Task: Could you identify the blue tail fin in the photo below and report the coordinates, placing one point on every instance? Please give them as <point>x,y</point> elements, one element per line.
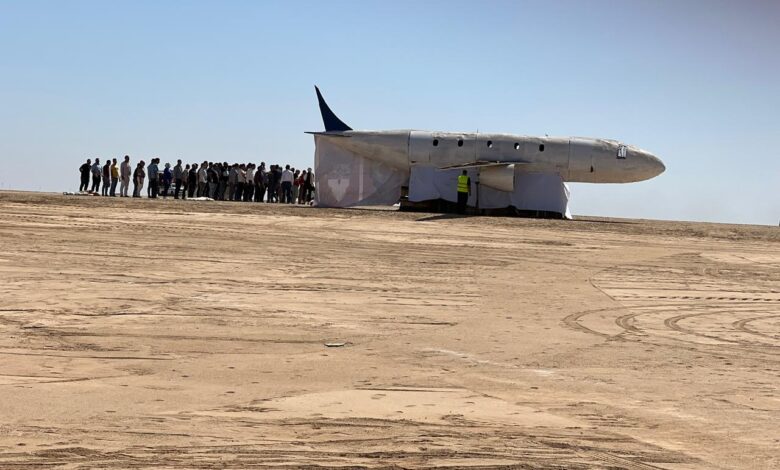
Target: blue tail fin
<point>331,121</point>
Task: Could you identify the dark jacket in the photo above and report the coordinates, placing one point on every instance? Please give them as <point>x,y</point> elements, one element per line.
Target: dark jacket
<point>213,175</point>
<point>167,176</point>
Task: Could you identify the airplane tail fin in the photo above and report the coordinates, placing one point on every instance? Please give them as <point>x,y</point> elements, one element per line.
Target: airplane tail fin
<point>329,118</point>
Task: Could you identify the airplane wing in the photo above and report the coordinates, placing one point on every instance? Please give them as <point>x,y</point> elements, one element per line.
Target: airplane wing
<point>328,133</point>
<point>480,164</point>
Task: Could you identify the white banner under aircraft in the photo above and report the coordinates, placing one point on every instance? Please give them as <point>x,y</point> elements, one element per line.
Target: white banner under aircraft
<point>533,191</point>
<point>344,179</point>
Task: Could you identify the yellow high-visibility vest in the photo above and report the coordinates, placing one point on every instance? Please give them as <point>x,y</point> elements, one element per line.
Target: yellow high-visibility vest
<point>463,183</point>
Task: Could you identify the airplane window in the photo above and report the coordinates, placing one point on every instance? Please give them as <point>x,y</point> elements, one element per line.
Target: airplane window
<point>460,142</point>
<point>490,144</point>
<point>541,147</point>
<point>517,146</point>
<point>435,142</point>
<point>621,151</point>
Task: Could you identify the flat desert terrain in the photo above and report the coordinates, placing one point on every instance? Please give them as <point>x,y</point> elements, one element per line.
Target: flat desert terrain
<point>172,334</point>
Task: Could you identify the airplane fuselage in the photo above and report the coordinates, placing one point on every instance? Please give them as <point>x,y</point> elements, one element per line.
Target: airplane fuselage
<point>575,159</point>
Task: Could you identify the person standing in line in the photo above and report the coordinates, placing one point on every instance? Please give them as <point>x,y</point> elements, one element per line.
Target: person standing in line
<point>302,194</point>
<point>218,191</point>
<point>270,182</point>
<point>259,183</point>
<point>232,182</point>
<point>278,184</point>
<point>203,179</point>
<point>267,183</point>
<point>154,179</point>
<point>213,174</point>
<point>240,182</point>
<point>464,191</point>
<point>273,181</point>
<point>96,176</point>
<point>309,185</point>
<point>105,173</point>
<point>214,180</point>
<point>184,182</point>
<point>280,196</point>
<point>167,180</point>
<point>224,176</point>
<point>249,186</point>
<point>148,178</point>
<point>138,179</point>
<point>192,180</point>
<point>277,187</point>
<point>158,178</point>
<point>287,181</point>
<point>149,182</point>
<point>295,185</point>
<point>177,179</point>
<point>302,186</point>
<point>124,175</point>
<point>114,177</point>
<point>242,172</point>
<point>85,169</point>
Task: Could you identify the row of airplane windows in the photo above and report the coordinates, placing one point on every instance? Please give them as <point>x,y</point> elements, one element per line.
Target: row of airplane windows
<point>489,144</point>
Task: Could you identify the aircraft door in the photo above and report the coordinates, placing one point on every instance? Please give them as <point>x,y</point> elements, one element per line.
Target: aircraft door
<point>421,144</point>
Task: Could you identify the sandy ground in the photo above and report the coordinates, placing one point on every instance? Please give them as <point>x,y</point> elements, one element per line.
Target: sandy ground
<point>170,334</point>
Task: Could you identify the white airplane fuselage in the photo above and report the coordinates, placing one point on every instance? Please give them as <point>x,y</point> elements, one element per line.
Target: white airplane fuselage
<point>575,159</point>
<point>498,160</point>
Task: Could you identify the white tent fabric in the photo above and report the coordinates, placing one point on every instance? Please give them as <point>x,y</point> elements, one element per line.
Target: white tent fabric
<point>344,179</point>
<point>533,191</point>
<point>428,183</point>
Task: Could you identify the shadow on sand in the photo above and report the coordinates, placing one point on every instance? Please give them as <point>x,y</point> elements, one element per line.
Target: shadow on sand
<point>435,217</point>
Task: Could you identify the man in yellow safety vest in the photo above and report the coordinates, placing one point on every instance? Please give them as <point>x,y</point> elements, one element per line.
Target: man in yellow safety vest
<point>464,191</point>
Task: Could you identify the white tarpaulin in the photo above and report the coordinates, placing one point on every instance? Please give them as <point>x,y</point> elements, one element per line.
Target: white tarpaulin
<point>533,191</point>
<point>344,179</point>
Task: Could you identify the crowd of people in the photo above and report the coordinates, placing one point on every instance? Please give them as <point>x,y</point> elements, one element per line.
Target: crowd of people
<point>219,181</point>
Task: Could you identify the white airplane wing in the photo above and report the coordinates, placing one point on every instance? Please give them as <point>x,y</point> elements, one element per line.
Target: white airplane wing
<point>480,164</point>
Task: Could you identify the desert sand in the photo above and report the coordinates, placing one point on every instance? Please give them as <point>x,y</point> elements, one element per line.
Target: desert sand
<point>173,334</point>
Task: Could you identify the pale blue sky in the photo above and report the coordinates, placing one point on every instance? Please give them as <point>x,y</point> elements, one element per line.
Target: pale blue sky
<point>696,83</point>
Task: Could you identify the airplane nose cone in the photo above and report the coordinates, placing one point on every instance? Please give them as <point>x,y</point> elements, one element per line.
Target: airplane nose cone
<point>653,166</point>
<point>657,165</point>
